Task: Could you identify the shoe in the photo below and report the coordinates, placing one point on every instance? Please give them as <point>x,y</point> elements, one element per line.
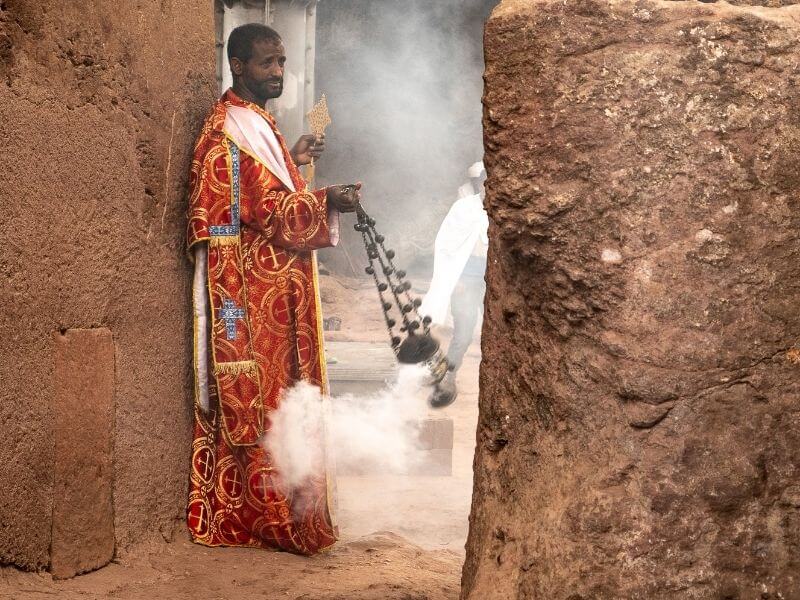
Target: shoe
<point>445,392</point>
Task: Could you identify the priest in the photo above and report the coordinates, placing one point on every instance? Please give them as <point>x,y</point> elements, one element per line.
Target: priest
<point>253,226</point>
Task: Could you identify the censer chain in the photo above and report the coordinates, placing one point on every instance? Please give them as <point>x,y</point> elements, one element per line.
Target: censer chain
<point>376,250</point>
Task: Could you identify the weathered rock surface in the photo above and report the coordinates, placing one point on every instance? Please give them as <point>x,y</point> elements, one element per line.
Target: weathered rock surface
<point>83,431</point>
<point>99,105</point>
<point>640,389</point>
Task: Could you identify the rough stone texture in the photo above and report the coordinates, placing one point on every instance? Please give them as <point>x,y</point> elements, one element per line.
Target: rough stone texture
<point>639,433</point>
<point>99,105</point>
<point>83,429</point>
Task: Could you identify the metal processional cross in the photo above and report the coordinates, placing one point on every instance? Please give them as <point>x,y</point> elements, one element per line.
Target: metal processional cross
<point>318,119</point>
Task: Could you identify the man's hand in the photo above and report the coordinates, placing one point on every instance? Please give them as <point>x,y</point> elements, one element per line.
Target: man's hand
<point>309,147</point>
<point>344,198</point>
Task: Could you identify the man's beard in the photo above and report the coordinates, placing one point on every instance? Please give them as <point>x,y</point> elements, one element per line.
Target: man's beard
<point>272,91</point>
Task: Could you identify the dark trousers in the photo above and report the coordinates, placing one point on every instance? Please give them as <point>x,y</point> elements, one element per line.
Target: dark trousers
<point>466,304</point>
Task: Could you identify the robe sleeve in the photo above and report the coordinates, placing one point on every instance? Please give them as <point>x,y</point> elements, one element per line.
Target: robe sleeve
<point>294,220</point>
<point>209,196</point>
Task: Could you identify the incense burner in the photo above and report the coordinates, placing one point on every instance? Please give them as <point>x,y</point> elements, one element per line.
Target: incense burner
<point>394,291</point>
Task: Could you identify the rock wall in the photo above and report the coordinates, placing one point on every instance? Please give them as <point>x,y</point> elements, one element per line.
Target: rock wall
<point>99,105</point>
<point>640,405</point>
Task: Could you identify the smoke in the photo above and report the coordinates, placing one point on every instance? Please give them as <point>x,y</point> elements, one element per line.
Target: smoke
<point>362,434</point>
<point>404,85</point>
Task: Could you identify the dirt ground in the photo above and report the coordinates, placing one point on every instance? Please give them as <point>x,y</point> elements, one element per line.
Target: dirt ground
<point>402,538</point>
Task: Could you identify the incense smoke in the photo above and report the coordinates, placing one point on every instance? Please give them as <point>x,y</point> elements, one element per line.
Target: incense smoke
<point>404,84</point>
<point>362,433</point>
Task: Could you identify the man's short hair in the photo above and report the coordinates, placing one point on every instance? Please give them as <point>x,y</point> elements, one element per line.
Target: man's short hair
<point>241,39</point>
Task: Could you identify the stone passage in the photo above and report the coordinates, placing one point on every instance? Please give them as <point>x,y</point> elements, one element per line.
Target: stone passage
<point>639,433</point>
<point>359,367</point>
<point>83,415</point>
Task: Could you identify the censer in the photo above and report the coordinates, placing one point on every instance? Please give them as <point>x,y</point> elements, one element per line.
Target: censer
<point>419,346</point>
<point>394,292</point>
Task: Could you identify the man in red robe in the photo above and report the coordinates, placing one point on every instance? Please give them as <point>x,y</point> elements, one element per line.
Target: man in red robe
<point>253,228</point>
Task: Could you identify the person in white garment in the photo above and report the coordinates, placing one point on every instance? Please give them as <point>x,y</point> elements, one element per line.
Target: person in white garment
<point>459,266</point>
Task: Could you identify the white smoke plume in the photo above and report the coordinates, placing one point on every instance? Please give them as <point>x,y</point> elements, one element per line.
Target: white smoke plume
<point>362,433</point>
<point>404,84</point>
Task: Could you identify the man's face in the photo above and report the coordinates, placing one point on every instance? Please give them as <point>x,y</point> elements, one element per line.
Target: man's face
<point>263,73</point>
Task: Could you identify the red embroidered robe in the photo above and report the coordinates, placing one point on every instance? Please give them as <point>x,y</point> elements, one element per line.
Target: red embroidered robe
<point>265,335</point>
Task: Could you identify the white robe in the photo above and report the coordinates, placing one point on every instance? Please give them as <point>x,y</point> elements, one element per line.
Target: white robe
<point>464,226</point>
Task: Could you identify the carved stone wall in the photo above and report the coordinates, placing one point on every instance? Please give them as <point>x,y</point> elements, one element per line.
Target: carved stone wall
<point>100,102</point>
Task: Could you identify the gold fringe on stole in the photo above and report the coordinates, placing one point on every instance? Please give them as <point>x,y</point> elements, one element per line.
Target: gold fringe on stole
<point>223,240</point>
<point>247,367</point>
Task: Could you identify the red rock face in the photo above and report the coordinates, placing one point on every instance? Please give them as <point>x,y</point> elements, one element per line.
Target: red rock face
<point>640,407</point>
<point>99,106</point>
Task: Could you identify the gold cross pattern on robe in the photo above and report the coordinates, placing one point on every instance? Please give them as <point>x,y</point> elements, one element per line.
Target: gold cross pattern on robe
<point>318,118</point>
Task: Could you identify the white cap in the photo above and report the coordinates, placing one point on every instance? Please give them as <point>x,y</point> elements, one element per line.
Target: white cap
<point>476,170</point>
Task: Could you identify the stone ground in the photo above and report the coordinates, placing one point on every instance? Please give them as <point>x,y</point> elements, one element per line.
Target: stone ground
<point>402,537</point>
